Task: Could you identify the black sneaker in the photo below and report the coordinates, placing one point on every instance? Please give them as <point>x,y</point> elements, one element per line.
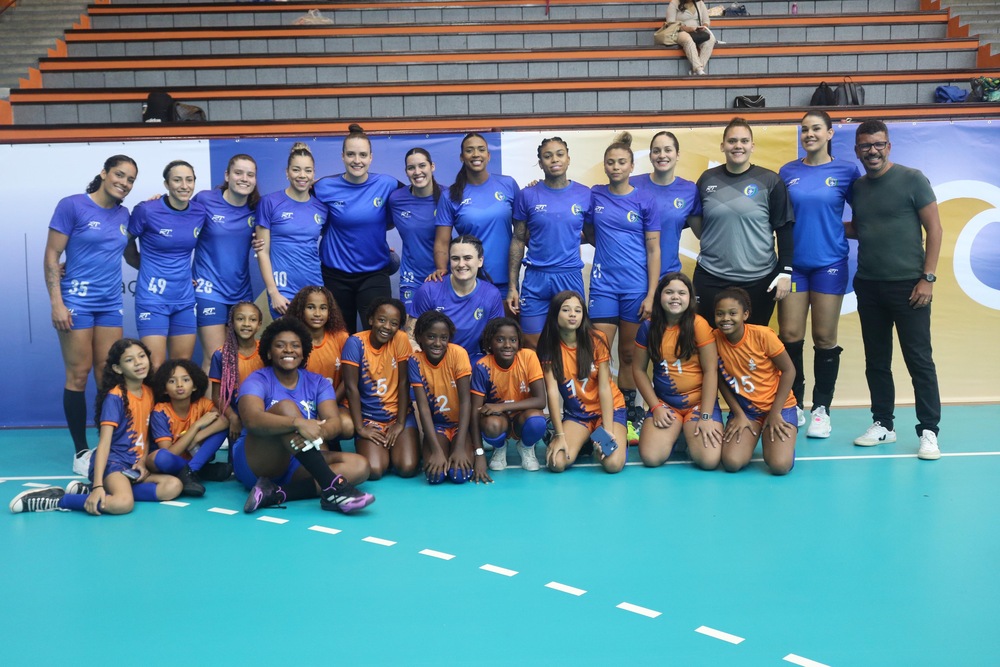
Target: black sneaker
<point>192,485</point>
<point>343,497</point>
<point>216,472</point>
<point>38,500</point>
<point>264,493</point>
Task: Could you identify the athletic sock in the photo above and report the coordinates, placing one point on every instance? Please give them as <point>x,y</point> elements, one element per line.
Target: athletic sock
<point>299,489</point>
<point>316,465</point>
<point>206,452</point>
<point>826,367</point>
<point>533,430</point>
<point>145,492</point>
<point>75,407</point>
<point>73,502</point>
<point>167,462</point>
<point>799,386</point>
<point>497,441</point>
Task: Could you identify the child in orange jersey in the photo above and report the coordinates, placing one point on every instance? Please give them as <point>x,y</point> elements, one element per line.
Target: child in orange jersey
<point>234,362</point>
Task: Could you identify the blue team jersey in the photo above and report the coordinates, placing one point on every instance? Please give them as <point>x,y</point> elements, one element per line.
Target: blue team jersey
<point>222,256</point>
<point>308,393</point>
<point>675,202</point>
<point>415,218</point>
<point>166,240</point>
<point>555,220</point>
<point>354,238</point>
<point>470,313</point>
<point>818,195</point>
<point>97,238</point>
<point>620,224</point>
<point>295,230</point>
<point>486,212</point>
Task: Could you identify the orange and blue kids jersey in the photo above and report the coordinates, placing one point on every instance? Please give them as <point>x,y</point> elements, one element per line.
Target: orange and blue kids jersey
<point>244,367</point>
<point>748,369</point>
<point>581,398</point>
<point>165,425</point>
<point>128,440</point>
<point>439,382</point>
<point>506,385</point>
<point>325,358</point>
<point>677,382</point>
<point>378,373</point>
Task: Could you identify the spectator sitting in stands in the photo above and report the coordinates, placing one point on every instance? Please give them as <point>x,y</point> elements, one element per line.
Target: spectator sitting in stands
<point>695,37</point>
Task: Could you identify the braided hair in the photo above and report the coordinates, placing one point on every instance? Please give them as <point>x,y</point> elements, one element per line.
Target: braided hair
<point>230,374</point>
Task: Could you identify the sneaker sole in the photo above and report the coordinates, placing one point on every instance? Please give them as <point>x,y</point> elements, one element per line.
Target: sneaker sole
<point>929,456</point>
<point>253,501</point>
<point>874,444</point>
<point>355,504</point>
<point>810,434</point>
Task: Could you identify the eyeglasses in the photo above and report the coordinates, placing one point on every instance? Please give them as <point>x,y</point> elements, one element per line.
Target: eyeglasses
<point>878,145</point>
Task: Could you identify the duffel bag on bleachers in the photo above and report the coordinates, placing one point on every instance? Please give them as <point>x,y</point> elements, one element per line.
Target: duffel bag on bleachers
<point>985,89</point>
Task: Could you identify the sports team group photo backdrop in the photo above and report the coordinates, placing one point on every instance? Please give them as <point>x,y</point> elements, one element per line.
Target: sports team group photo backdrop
<point>955,156</point>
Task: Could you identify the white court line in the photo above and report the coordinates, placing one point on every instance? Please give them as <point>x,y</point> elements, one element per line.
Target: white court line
<point>437,554</point>
<point>556,586</point>
<point>174,503</point>
<point>378,540</point>
<point>36,485</point>
<point>496,569</point>
<point>17,479</point>
<point>272,519</point>
<point>636,609</point>
<point>802,662</point>
<point>222,510</point>
<point>719,634</point>
<point>324,529</point>
<point>854,457</point>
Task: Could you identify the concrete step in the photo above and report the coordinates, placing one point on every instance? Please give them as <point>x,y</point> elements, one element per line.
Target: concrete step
<point>608,96</point>
<point>84,44</point>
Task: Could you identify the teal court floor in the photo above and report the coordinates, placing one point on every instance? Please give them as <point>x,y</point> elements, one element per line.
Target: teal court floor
<point>858,557</point>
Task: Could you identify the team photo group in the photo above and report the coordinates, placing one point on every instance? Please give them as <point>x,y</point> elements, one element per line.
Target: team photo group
<point>496,339</point>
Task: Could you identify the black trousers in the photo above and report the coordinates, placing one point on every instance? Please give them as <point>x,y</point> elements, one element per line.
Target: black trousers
<point>355,292</point>
<point>707,285</point>
<point>883,305</point>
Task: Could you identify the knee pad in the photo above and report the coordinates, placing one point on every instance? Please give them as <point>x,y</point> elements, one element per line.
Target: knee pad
<point>533,430</point>
<point>497,441</point>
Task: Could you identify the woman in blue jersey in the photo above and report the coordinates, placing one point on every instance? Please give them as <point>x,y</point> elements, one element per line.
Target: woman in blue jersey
<point>413,212</point>
<point>480,204</point>
<point>676,197</point>
<point>548,219</point>
<point>354,250</point>
<point>87,301</point>
<point>624,226</point>
<point>289,224</point>
<point>819,186</point>
<point>222,256</point>
<point>166,231</point>
<point>464,296</point>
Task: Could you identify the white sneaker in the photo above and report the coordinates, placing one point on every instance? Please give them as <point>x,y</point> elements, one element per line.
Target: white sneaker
<point>499,459</point>
<point>77,488</point>
<point>875,435</point>
<point>81,462</point>
<point>928,447</point>
<point>819,424</point>
<point>528,459</point>
<point>800,416</point>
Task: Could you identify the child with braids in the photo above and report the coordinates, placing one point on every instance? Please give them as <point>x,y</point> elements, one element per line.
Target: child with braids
<point>118,472</point>
<point>185,428</point>
<point>236,360</point>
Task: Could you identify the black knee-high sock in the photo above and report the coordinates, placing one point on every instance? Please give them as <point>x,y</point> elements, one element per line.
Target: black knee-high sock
<point>75,407</point>
<point>629,395</point>
<point>799,386</point>
<point>314,462</point>
<point>300,489</point>
<point>826,366</point>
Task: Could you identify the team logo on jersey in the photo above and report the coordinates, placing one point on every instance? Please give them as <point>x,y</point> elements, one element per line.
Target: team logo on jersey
<point>317,218</point>
<point>832,272</point>
<point>523,388</point>
<point>144,317</point>
<point>250,221</point>
<point>197,230</point>
<point>407,294</point>
<point>287,215</point>
<point>540,208</point>
<point>124,230</point>
<point>467,200</point>
<point>377,202</point>
<point>208,311</point>
<point>710,189</point>
<point>405,214</point>
<point>440,309</point>
<point>309,407</point>
<point>478,315</point>
<point>218,218</point>
<point>750,190</point>
<point>632,216</point>
<point>499,196</point>
<point>167,232</point>
<point>94,224</point>
<point>792,182</point>
<point>393,360</point>
<point>679,202</point>
<point>598,209</point>
<point>338,202</point>
<point>831,182</point>
<point>576,209</point>
<point>336,363</point>
<point>752,365</point>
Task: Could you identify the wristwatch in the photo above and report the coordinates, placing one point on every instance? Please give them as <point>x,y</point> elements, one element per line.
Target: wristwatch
<point>706,416</point>
<point>480,451</point>
<point>929,277</point>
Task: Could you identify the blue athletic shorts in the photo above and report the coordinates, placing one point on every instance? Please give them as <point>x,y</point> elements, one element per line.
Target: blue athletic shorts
<point>406,293</point>
<point>88,319</point>
<point>692,414</point>
<point>620,417</point>
<point>537,291</point>
<point>790,415</point>
<point>164,320</point>
<point>210,313</point>
<point>615,307</point>
<point>827,280</point>
<point>247,477</point>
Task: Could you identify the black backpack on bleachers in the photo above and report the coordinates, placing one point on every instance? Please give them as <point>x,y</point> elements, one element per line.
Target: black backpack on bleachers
<point>823,96</point>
